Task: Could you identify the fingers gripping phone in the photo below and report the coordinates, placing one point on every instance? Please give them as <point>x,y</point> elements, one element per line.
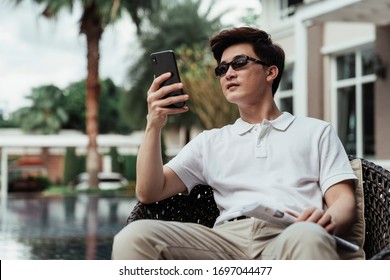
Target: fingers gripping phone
<point>163,62</point>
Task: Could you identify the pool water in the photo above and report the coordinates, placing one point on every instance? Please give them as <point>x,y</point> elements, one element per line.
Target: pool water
<point>80,227</point>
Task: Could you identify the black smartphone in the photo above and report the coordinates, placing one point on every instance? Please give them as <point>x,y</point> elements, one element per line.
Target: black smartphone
<point>163,62</point>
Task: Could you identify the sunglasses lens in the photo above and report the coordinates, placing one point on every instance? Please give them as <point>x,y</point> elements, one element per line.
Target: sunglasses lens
<point>239,62</point>
<point>221,69</point>
<point>236,63</point>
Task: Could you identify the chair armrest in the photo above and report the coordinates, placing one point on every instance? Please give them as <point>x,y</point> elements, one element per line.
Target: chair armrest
<point>383,254</point>
<point>197,207</point>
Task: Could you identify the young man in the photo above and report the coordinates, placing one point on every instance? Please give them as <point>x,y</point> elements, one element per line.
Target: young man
<point>294,164</point>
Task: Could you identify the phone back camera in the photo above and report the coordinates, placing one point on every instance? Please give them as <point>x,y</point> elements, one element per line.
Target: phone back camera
<point>154,60</point>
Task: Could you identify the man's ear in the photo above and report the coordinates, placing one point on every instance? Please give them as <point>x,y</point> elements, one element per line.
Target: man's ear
<point>272,72</point>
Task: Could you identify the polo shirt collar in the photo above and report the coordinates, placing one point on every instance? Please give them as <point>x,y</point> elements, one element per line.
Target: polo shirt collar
<point>241,127</point>
<point>280,123</point>
<point>283,121</point>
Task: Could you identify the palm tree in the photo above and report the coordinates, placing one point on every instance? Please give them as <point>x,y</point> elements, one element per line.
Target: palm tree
<point>176,33</point>
<point>46,114</point>
<point>207,99</point>
<point>110,119</point>
<point>96,15</point>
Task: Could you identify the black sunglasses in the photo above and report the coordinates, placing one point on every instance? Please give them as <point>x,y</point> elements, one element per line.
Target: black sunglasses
<point>237,62</point>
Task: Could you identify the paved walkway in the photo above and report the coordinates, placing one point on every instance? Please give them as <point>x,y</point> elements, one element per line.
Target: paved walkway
<point>68,228</point>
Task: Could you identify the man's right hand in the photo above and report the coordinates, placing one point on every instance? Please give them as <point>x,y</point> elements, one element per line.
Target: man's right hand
<point>157,105</point>
<point>155,182</point>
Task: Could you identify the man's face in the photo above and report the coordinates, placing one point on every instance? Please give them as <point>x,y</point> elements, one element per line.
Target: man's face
<point>247,84</point>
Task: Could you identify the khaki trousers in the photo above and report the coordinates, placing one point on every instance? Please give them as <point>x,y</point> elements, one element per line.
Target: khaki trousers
<point>242,239</point>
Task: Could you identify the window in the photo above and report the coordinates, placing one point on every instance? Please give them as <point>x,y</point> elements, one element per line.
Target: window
<point>354,88</point>
<point>288,7</point>
<point>284,97</point>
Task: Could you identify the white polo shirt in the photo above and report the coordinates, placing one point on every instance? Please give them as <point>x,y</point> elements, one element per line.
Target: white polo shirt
<point>287,163</point>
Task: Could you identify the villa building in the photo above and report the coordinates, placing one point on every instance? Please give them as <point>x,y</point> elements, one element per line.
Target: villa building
<point>337,67</point>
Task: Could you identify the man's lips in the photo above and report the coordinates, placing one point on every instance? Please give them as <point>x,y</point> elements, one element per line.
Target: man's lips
<point>230,85</point>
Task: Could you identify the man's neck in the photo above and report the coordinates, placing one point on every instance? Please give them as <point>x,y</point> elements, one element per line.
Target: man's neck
<point>256,114</point>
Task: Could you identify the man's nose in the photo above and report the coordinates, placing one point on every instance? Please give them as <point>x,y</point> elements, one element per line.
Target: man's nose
<point>230,72</point>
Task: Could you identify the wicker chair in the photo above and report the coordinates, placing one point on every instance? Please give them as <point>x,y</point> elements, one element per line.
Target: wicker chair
<point>199,207</point>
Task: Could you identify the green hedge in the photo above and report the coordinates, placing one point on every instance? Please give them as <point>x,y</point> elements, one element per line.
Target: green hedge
<point>73,165</point>
<point>129,167</point>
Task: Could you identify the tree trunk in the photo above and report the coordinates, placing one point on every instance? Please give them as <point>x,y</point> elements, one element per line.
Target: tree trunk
<point>91,26</point>
<point>45,158</point>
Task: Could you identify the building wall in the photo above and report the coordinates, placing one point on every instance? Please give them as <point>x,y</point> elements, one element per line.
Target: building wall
<point>55,168</point>
<point>382,95</point>
<point>330,35</point>
<point>315,72</point>
<point>288,45</point>
<point>344,35</point>
<point>339,37</point>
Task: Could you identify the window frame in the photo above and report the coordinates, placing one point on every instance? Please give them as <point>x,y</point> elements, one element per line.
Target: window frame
<point>287,93</point>
<point>287,10</point>
<point>357,82</point>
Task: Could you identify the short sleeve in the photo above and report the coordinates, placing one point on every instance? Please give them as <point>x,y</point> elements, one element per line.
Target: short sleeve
<point>334,163</point>
<point>187,164</point>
